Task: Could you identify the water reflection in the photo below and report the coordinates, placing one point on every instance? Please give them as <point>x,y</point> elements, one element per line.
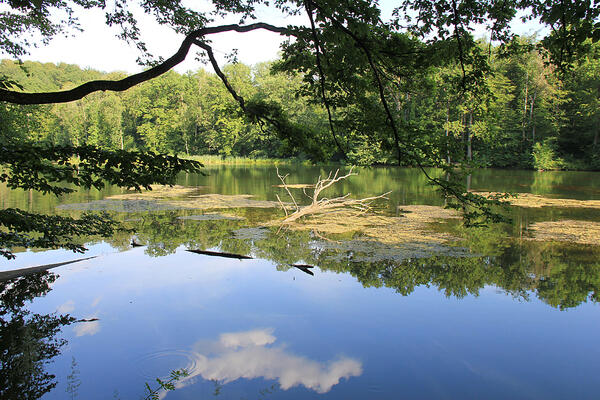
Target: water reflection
<point>424,345</point>
<point>562,275</point>
<point>88,328</point>
<point>28,341</point>
<point>252,354</point>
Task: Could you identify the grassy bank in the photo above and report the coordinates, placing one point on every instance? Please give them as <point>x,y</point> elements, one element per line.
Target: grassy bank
<point>219,160</point>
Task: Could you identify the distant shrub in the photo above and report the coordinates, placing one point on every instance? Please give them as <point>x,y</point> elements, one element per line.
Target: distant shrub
<point>545,157</point>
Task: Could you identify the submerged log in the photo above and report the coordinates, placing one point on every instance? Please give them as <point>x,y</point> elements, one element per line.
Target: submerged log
<point>17,273</point>
<point>88,320</point>
<point>304,268</point>
<point>220,254</point>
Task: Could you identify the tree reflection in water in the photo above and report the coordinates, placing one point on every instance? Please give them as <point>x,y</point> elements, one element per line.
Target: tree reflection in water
<point>28,341</point>
<point>562,275</point>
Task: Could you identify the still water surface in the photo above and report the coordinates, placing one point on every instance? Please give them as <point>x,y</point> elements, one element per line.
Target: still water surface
<point>493,316</point>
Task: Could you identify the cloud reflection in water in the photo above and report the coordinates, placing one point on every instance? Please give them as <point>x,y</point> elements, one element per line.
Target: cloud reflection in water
<point>246,355</point>
<point>87,328</point>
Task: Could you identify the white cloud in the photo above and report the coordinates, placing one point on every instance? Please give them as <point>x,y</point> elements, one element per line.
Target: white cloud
<point>96,301</point>
<point>246,355</point>
<point>66,307</point>
<point>87,328</point>
<point>257,337</point>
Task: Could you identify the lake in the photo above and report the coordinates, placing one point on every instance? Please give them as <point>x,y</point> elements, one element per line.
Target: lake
<point>400,302</point>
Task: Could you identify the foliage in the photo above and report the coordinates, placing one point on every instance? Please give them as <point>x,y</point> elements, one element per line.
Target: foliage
<point>525,104</point>
<point>169,384</point>
<point>27,340</point>
<point>563,275</point>
<point>417,90</point>
<point>48,168</point>
<point>31,230</point>
<point>545,157</point>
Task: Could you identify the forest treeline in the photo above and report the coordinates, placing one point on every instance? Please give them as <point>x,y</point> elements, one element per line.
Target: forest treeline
<point>526,115</point>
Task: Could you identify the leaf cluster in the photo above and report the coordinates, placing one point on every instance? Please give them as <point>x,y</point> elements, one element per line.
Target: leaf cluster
<point>48,169</point>
<point>32,230</point>
<point>43,167</point>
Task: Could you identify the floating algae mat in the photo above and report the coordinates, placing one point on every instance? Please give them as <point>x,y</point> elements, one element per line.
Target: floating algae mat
<point>157,192</point>
<point>252,233</point>
<point>428,214</point>
<point>208,201</point>
<point>210,217</point>
<point>413,226</point>
<point>535,201</point>
<point>573,231</point>
<point>375,251</point>
<point>296,186</point>
<point>203,202</point>
<point>120,206</point>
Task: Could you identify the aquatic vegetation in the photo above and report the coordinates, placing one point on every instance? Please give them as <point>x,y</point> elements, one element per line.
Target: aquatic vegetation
<point>415,225</point>
<point>124,206</point>
<point>370,251</point>
<point>157,192</point>
<point>214,200</point>
<point>207,201</point>
<point>534,201</point>
<point>572,231</point>
<point>254,233</point>
<point>210,217</point>
<point>164,385</point>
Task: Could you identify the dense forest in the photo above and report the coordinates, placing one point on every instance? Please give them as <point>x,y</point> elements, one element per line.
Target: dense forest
<point>525,114</point>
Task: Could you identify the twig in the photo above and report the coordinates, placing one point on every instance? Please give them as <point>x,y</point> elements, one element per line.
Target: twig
<point>282,179</point>
<point>317,234</point>
<point>326,205</point>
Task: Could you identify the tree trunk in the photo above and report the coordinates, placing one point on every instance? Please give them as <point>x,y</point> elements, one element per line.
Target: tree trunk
<point>30,200</point>
<point>596,135</point>
<point>525,105</point>
<point>531,123</point>
<point>448,132</point>
<point>470,137</point>
<point>464,128</point>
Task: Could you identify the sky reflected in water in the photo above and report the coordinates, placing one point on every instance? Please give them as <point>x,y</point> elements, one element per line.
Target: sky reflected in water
<point>245,327</point>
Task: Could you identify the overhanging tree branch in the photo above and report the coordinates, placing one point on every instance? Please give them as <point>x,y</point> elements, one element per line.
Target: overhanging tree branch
<point>309,12</point>
<point>220,73</point>
<point>360,43</point>
<point>132,80</point>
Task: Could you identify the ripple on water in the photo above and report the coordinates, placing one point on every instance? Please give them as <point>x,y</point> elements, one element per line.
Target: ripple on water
<point>161,363</point>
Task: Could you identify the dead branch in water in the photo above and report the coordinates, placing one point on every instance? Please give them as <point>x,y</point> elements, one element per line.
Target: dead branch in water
<point>220,254</point>
<point>17,273</point>
<point>325,205</point>
<point>304,268</point>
